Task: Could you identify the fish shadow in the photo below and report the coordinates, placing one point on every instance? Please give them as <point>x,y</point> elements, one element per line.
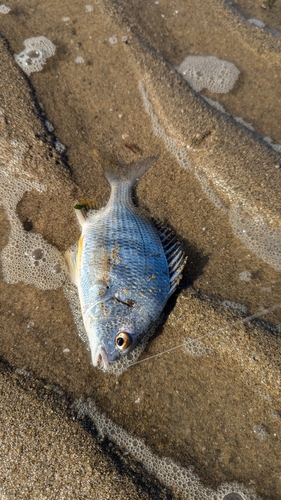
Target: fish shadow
<point>194,267</point>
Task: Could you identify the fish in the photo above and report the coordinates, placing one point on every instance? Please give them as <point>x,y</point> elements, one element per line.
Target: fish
<point>126,267</point>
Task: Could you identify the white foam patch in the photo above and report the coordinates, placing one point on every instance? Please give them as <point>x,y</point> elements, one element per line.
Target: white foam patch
<point>243,122</point>
<point>209,72</point>
<point>79,60</point>
<point>60,147</point>
<point>211,194</point>
<point>245,276</point>
<point>166,470</point>
<point>181,153</point>
<point>266,289</point>
<point>276,147</point>
<point>49,126</point>
<point>34,56</point>
<point>260,432</point>
<point>216,104</point>
<point>235,305</point>
<point>256,22</point>
<point>220,108</point>
<point>196,348</point>
<point>256,235</point>
<point>27,257</point>
<point>4,9</point>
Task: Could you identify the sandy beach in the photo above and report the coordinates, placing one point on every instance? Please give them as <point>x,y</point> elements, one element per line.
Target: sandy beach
<point>202,420</point>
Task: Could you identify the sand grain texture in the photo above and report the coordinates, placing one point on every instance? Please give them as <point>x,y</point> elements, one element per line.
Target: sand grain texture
<point>213,401</point>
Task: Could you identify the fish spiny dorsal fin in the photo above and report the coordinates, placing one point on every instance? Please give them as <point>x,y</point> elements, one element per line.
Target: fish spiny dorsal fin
<point>118,172</point>
<point>175,255</point>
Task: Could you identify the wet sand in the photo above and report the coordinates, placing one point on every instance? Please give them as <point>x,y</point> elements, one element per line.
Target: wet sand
<point>58,456</point>
<point>218,412</point>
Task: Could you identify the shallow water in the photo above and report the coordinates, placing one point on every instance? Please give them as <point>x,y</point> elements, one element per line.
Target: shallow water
<point>213,404</point>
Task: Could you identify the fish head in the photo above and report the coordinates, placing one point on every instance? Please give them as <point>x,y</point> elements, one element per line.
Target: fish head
<point>110,340</point>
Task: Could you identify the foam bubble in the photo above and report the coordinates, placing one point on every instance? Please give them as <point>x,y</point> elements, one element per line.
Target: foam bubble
<point>60,147</point>
<point>113,40</point>
<point>276,147</point>
<point>215,104</point>
<point>260,432</point>
<point>233,496</point>
<point>235,305</point>
<point>79,60</point>
<point>256,22</point>
<point>212,195</point>
<point>275,415</point>
<point>49,126</point>
<point>4,9</point>
<point>89,8</point>
<point>259,237</point>
<point>196,348</point>
<point>33,57</point>
<point>209,72</point>
<point>245,276</point>
<point>181,153</point>
<point>243,122</point>
<point>220,108</point>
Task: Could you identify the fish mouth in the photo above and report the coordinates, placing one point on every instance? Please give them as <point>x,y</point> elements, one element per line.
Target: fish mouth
<point>100,357</point>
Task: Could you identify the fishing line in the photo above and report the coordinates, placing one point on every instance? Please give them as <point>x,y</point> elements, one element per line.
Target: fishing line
<point>231,325</point>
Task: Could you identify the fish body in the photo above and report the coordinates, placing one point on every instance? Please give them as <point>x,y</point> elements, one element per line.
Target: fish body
<point>123,269</point>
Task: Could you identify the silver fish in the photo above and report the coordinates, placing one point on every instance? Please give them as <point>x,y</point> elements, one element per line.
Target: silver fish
<point>126,268</point>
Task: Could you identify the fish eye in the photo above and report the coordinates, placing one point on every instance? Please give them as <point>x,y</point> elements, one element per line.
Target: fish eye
<point>123,340</point>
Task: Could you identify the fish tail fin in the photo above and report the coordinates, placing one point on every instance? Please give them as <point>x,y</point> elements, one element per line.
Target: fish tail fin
<point>117,172</point>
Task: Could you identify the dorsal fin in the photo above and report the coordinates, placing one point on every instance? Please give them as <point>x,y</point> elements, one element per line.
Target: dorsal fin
<point>174,252</point>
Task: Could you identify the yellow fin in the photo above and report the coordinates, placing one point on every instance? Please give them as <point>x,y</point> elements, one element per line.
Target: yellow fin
<point>79,252</point>
<point>86,204</point>
<point>71,260</point>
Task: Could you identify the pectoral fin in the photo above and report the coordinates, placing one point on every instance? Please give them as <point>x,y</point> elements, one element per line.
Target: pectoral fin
<point>73,257</point>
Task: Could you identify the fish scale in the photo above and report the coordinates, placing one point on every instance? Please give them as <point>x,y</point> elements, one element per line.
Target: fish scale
<point>137,246</point>
<point>125,269</point>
